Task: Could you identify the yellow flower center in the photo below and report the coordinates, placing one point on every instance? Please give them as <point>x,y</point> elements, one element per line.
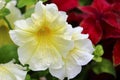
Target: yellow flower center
<point>43,34</point>
<point>45,31</point>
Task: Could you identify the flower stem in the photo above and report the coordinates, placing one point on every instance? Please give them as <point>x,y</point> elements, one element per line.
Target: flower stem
<point>9,26</point>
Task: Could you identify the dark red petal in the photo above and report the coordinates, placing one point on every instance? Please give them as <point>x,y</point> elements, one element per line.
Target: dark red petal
<point>88,9</point>
<point>116,8</point>
<point>101,5</point>
<point>109,31</point>
<point>113,1</point>
<point>116,53</point>
<point>65,5</point>
<point>93,28</point>
<point>108,45</point>
<point>74,18</point>
<point>111,19</point>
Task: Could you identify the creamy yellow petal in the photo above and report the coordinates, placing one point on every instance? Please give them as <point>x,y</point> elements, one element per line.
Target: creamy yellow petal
<point>62,45</point>
<point>26,25</point>
<point>11,71</point>
<point>39,9</point>
<point>39,57</point>
<point>20,37</point>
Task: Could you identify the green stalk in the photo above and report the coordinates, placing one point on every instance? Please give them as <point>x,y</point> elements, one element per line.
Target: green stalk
<point>9,26</point>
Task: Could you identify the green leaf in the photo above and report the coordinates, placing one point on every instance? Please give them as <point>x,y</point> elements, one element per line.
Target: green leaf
<point>4,12</point>
<point>28,12</point>
<point>50,77</point>
<point>84,73</point>
<point>38,74</point>
<point>33,79</point>
<point>22,3</point>
<point>27,77</point>
<point>97,59</point>
<point>7,0</point>
<point>7,53</point>
<point>104,67</point>
<point>44,0</point>
<point>98,50</point>
<point>85,2</point>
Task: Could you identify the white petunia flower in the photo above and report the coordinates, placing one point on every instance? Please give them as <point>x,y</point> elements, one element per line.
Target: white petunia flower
<point>43,38</point>
<point>11,71</point>
<point>2,3</point>
<point>80,55</point>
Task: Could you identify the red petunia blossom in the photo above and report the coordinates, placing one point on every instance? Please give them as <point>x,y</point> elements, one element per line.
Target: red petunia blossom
<point>65,5</point>
<point>74,18</point>
<point>101,22</point>
<point>116,53</point>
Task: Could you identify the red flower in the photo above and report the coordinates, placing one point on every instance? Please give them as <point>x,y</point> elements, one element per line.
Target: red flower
<point>65,5</point>
<point>100,21</point>
<point>116,53</point>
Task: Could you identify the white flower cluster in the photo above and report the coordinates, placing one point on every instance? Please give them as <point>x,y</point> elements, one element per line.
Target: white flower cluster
<point>47,41</point>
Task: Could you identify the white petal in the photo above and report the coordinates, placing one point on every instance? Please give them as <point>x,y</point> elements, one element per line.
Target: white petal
<point>21,24</point>
<point>77,34</point>
<point>73,70</point>
<point>78,29</point>
<point>63,15</point>
<point>15,13</point>
<point>62,45</point>
<point>84,45</point>
<point>39,11</point>
<point>39,57</point>
<point>12,72</point>
<point>59,73</point>
<point>51,12</point>
<point>69,32</point>
<point>39,7</point>
<point>59,25</point>
<point>69,70</point>
<point>24,24</point>
<point>81,57</point>
<point>20,37</point>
